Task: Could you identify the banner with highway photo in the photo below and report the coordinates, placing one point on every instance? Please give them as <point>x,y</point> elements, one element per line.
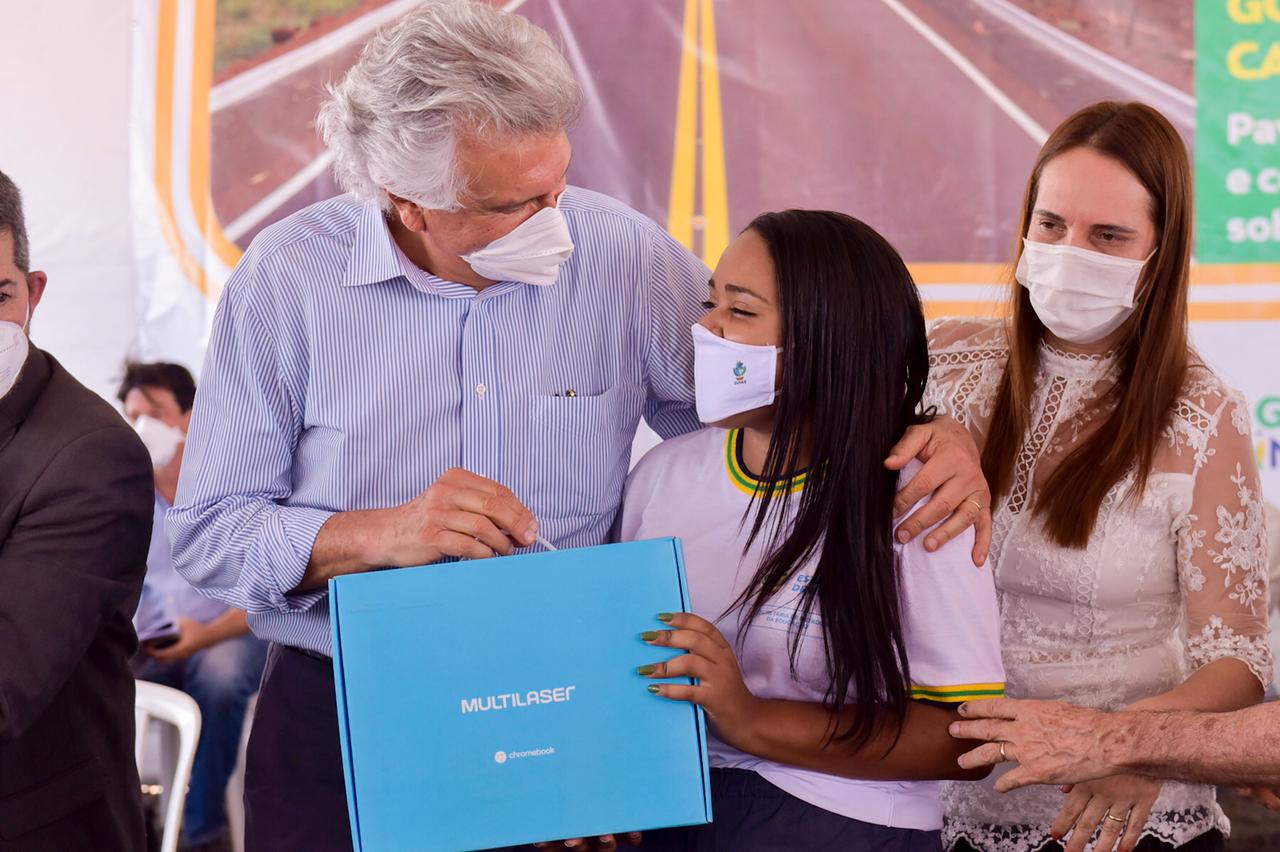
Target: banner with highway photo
<point>921,117</point>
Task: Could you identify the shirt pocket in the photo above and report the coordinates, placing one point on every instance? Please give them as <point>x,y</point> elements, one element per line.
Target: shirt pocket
<point>579,462</point>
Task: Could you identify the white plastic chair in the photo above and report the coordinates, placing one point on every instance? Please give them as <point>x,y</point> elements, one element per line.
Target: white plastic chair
<point>178,709</point>
<point>235,785</point>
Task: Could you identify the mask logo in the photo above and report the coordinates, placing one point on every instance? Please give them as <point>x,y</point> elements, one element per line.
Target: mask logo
<point>753,369</point>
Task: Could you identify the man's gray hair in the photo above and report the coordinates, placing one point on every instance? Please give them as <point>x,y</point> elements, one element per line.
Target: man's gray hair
<point>11,220</point>
<point>448,68</point>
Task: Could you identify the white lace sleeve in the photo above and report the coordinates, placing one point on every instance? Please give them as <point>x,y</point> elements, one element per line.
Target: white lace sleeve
<point>966,360</point>
<point>1222,545</point>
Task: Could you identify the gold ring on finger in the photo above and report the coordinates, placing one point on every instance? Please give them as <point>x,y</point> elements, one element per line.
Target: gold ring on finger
<point>975,503</point>
<point>1116,818</point>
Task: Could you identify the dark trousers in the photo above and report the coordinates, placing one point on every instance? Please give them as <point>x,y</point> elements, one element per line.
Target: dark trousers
<point>295,798</point>
<point>752,815</point>
<point>1210,841</point>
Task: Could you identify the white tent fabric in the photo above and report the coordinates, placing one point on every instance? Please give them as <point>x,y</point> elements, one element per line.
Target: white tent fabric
<point>64,95</point>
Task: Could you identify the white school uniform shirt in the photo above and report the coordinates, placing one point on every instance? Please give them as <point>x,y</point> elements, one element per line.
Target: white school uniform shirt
<point>696,488</point>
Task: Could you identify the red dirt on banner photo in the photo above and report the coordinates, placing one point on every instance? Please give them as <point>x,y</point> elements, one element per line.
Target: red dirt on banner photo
<point>270,28</point>
<point>1155,36</point>
<point>251,32</point>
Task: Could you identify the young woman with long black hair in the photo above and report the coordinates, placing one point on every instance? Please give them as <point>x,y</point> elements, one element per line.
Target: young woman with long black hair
<point>819,643</point>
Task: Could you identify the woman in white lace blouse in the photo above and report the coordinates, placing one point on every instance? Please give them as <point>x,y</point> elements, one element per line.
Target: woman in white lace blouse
<point>1129,544</point>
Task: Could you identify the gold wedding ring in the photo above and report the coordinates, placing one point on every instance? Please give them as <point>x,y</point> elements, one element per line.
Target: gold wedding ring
<point>975,503</point>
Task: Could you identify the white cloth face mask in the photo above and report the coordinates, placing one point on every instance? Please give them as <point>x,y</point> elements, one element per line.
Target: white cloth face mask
<point>14,347</point>
<point>530,254</point>
<point>730,378</point>
<point>1080,295</point>
<point>161,439</point>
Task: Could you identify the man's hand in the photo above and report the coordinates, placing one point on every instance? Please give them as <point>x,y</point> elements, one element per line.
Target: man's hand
<point>461,514</point>
<point>1053,742</point>
<point>193,636</point>
<point>952,474</point>
<point>603,843</point>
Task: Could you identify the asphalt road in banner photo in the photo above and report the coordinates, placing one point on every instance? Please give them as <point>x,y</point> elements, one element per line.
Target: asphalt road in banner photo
<point>921,117</point>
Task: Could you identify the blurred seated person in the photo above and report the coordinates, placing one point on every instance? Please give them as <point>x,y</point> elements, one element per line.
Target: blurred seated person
<point>189,641</point>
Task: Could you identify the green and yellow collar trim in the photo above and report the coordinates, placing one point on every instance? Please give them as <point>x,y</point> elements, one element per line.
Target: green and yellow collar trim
<point>744,481</point>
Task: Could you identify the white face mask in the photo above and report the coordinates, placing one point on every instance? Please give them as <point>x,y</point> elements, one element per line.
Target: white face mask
<point>1080,295</point>
<point>730,378</point>
<point>531,254</point>
<point>161,439</point>
<point>14,347</point>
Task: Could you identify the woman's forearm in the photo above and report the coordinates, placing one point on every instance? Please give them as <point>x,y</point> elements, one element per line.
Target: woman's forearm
<point>796,733</point>
<point>1218,687</point>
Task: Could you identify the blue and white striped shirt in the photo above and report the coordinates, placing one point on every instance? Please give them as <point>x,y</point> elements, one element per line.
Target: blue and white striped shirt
<point>334,382</point>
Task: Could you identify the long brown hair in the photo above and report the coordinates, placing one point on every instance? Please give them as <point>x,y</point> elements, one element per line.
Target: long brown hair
<point>1153,355</point>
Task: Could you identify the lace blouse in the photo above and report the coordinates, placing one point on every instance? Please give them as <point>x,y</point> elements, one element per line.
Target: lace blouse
<point>1166,584</point>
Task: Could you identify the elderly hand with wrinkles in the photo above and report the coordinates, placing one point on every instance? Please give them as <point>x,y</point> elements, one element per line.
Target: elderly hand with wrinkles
<point>1057,743</point>
<point>1052,742</point>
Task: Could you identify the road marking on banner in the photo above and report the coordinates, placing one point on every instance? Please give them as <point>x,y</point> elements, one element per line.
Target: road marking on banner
<point>249,219</point>
<point>1037,133</point>
<point>684,162</point>
<point>1177,105</point>
<point>253,82</point>
<point>699,139</point>
<point>715,193</point>
<point>272,201</point>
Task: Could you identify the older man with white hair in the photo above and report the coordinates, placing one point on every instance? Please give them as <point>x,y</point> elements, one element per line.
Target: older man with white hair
<point>461,322</point>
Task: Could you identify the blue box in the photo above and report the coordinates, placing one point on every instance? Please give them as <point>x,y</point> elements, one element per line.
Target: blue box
<point>496,702</point>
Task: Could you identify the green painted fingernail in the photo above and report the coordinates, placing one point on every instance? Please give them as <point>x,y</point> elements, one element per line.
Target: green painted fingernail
<point>646,670</point>
<point>653,687</point>
<point>665,616</point>
<point>648,635</point>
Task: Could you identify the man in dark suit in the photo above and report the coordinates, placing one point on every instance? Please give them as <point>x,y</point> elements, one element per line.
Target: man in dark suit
<point>75,521</point>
